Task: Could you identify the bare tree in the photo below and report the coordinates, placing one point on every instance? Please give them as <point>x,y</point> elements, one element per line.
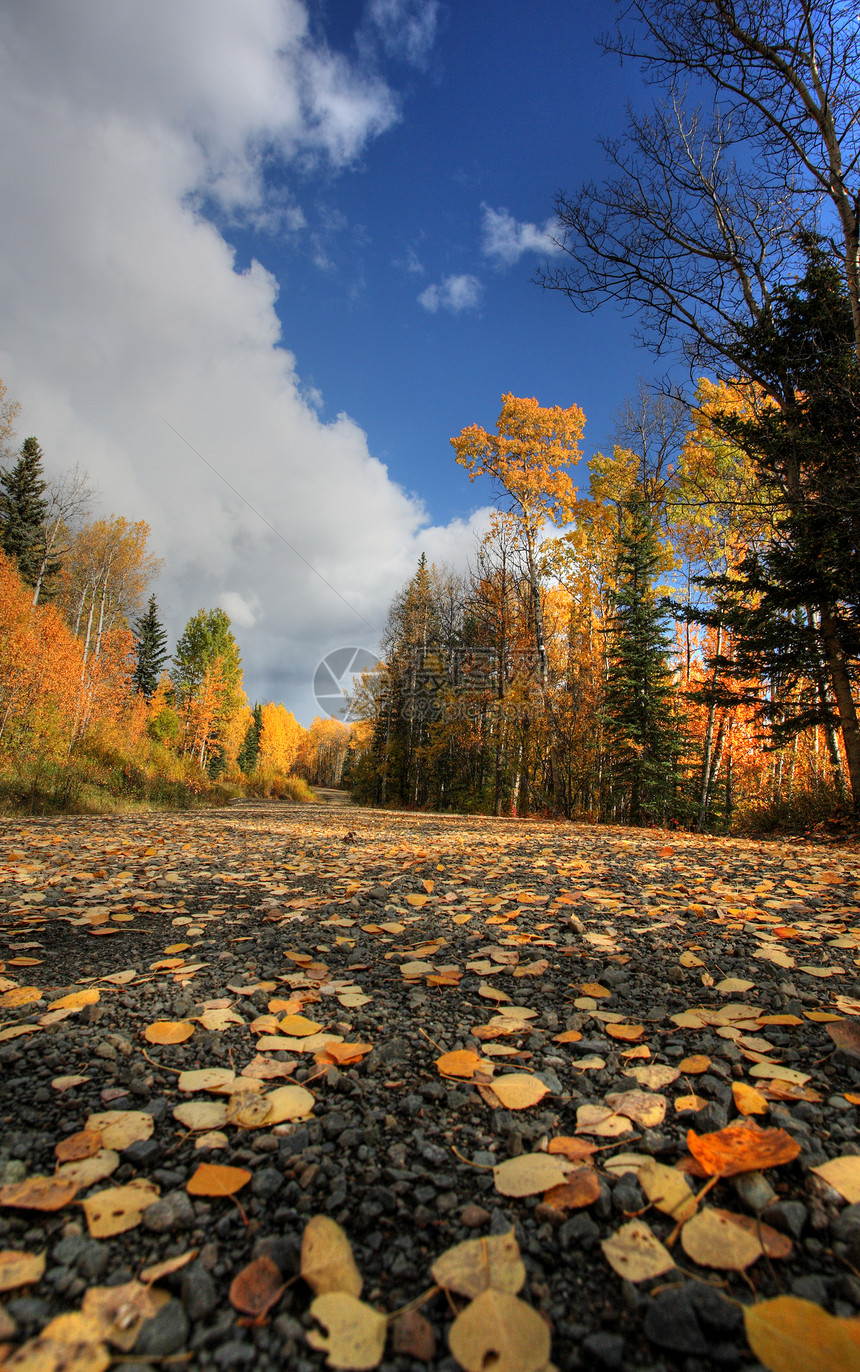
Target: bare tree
<point>700,214</point>
<point>68,500</point>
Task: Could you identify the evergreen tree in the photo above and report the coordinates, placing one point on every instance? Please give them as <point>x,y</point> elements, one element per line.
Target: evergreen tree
<point>250,750</point>
<point>642,730</point>
<point>23,509</point>
<point>152,655</point>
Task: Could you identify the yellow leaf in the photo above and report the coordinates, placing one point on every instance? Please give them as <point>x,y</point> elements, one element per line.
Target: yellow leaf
<point>517,1091</point>
<point>478,1264</point>
<point>789,1334</point>
<point>748,1100</point>
<point>416,900</point>
<point>356,1333</point>
<point>463,1063</point>
<point>713,1239</point>
<point>23,1269</point>
<point>121,1128</point>
<point>668,1189</point>
<point>198,1115</point>
<point>288,1103</point>
<point>118,1208</point>
<point>500,1331</point>
<point>168,1031</point>
<point>695,1065</point>
<point>629,1032</point>
<point>635,1253</point>
<point>327,1263</point>
<point>844,1175</point>
<point>206,1079</point>
<point>214,1179</point>
<point>88,1171</point>
<point>298,1026</point>
<point>76,1000</point>
<point>38,1193</point>
<point>530,1174</point>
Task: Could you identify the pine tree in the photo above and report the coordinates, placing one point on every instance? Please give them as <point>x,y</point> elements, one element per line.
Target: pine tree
<point>23,508</point>
<point>152,654</point>
<point>643,734</point>
<point>250,750</point>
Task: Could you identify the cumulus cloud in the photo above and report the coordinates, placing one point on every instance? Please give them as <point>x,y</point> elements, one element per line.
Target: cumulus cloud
<point>138,349</point>
<point>452,293</point>
<point>506,239</point>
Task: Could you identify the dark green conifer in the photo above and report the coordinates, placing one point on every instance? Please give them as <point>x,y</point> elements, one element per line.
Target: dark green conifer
<point>23,509</point>
<point>152,654</point>
<point>250,750</point>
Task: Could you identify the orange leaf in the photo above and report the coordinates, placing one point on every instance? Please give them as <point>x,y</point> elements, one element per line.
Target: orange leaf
<point>629,1032</point>
<point>574,1149</point>
<point>463,1063</point>
<point>85,1144</point>
<point>168,1031</point>
<point>216,1179</point>
<point>741,1148</point>
<point>39,1193</point>
<point>256,1288</point>
<point>581,1188</point>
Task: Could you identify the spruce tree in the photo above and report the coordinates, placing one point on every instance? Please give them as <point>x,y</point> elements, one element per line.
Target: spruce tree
<point>152,654</point>
<point>250,750</point>
<point>23,508</point>
<point>642,731</point>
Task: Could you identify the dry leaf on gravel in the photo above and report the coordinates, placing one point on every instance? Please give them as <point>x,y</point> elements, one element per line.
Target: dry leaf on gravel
<point>38,1193</point>
<point>248,1109</point>
<point>46,1354</point>
<point>530,1174</point>
<point>288,1103</point>
<point>748,1100</point>
<point>574,1149</point>
<point>355,1337</point>
<point>717,1238</point>
<point>636,1254</point>
<point>581,1188</point>
<point>518,1091</point>
<point>655,1076</point>
<point>206,1079</point>
<point>85,1144</point>
<point>327,1263</point>
<point>846,1035</point>
<point>258,1287</point>
<point>198,1115</point>
<point>668,1189</point>
<point>22,1269</point>
<point>463,1063</point>
<point>789,1334</point>
<point>118,1208</point>
<point>843,1174</point>
<point>602,1121</point>
<point>89,1171</point>
<point>159,1270</point>
<point>168,1031</point>
<point>741,1148</point>
<point>214,1179</point>
<point>643,1107</point>
<point>481,1264</point>
<point>119,1311</point>
<point>121,1128</point>
<point>499,1331</point>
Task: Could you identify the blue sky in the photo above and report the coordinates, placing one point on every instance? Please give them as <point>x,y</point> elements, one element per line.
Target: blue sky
<point>298,237</point>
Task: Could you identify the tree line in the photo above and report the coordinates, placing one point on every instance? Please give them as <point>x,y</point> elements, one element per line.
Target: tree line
<point>93,706</point>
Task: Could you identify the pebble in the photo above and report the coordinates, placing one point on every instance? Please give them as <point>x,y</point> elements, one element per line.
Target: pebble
<point>165,1333</point>
<point>172,1212</point>
<point>607,1349</point>
<point>199,1292</point>
<point>789,1217</point>
<point>754,1190</point>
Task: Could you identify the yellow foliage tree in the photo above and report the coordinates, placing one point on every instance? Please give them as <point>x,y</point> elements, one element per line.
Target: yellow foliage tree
<point>280,739</point>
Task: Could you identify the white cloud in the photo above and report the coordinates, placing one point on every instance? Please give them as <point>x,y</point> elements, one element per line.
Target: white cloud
<point>407,28</point>
<point>506,239</point>
<point>122,308</point>
<point>453,293</point>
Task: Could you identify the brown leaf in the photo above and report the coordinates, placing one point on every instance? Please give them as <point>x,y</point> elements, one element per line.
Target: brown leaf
<point>846,1035</point>
<point>85,1144</point>
<point>581,1188</point>
<point>413,1336</point>
<point>257,1288</point>
<point>741,1148</point>
<point>576,1150</point>
<point>463,1063</point>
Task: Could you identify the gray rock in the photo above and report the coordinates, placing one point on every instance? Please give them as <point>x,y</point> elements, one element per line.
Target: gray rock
<point>811,1287</point>
<point>846,1223</point>
<point>165,1333</point>
<point>235,1354</point>
<point>579,1231</point>
<point>754,1190</point>
<point>550,1080</point>
<point>199,1292</point>
<point>143,1153</point>
<point>606,1349</point>
<point>94,1261</point>
<point>267,1182</point>
<point>789,1217</point>
<point>172,1212</point>
<point>694,1319</point>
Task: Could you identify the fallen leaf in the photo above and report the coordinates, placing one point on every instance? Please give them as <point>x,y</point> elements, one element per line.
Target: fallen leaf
<point>197,1115</point>
<point>463,1063</point>
<point>499,1331</point>
<point>668,1189</point>
<point>690,1103</point>
<point>76,1000</point>
<point>654,1076</point>
<point>636,1254</point>
<point>118,1208</point>
<point>741,1148</point>
<point>299,1026</point>
<point>215,1179</point>
<point>205,1079</point>
<point>23,1269</point>
<point>66,1083</point>
<point>713,1239</point>
<point>529,1175</point>
<point>574,1149</point>
<point>481,1264</point>
<point>159,1270</point>
<point>168,1031</point>
<point>119,1129</point>
<point>355,1337</point>
<point>89,1171</point>
<point>288,1103</point>
<point>748,1100</point>
<point>843,1174</point>
<point>644,1107</point>
<point>119,1311</point>
<point>846,1036</point>
<point>47,1354</point>
<point>413,1335</point>
<point>789,1334</point>
<point>601,1120</point>
<point>581,1188</point>
<point>695,1065</point>
<point>730,986</point>
<point>38,1193</point>
<point>327,1263</point>
<point>257,1288</point>
<point>517,1091</point>
<point>628,1032</point>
